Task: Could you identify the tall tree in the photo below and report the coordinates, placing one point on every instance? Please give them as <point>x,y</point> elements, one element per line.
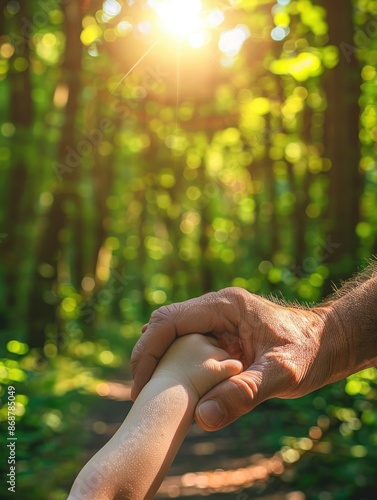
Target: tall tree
<point>341,140</point>
<point>50,250</point>
<point>21,114</point>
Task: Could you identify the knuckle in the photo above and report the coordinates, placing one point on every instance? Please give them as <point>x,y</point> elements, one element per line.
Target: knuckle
<point>164,313</point>
<point>136,355</point>
<point>236,302</point>
<point>237,296</point>
<point>246,395</point>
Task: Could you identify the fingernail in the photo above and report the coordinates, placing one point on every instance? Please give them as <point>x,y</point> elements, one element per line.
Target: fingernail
<point>211,413</point>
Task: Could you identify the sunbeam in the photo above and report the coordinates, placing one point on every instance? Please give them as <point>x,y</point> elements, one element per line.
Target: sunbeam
<point>135,65</point>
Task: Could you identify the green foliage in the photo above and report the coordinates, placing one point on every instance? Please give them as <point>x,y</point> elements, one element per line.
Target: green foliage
<point>327,439</point>
<point>246,158</point>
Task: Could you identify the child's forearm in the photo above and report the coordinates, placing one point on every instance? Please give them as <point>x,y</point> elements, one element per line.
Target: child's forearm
<point>134,462</point>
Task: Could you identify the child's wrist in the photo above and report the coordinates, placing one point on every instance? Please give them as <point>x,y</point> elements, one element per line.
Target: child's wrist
<point>169,379</point>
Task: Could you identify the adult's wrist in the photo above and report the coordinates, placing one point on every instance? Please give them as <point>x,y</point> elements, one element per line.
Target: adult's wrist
<point>345,344</point>
<point>337,343</point>
<point>358,332</point>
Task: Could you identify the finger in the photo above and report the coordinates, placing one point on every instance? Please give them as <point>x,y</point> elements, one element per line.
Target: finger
<point>232,398</point>
<point>220,370</point>
<point>213,372</point>
<point>146,356</point>
<point>229,368</point>
<point>213,312</point>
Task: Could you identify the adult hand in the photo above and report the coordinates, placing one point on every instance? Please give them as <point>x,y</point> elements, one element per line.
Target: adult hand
<point>286,352</point>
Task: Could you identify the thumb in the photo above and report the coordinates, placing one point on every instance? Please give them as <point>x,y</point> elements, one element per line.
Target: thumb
<point>232,398</point>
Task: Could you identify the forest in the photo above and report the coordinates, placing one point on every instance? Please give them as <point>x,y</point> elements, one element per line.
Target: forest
<point>155,150</point>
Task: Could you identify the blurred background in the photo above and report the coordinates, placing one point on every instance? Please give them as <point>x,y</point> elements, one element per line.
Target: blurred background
<point>152,151</point>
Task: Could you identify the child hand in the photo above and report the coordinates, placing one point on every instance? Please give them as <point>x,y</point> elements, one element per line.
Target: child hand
<point>197,362</point>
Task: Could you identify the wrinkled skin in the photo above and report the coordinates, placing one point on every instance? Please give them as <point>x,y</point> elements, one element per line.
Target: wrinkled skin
<point>286,352</point>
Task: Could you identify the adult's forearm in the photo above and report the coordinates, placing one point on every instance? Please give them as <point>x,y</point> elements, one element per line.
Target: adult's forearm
<point>357,312</point>
<point>353,313</point>
<point>134,462</point>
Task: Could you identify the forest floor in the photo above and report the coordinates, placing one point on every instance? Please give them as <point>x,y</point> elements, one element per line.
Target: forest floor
<point>207,464</point>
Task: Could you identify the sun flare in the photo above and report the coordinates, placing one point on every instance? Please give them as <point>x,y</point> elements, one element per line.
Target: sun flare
<point>180,18</point>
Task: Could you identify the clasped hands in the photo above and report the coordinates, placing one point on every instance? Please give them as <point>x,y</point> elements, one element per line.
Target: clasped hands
<point>283,352</point>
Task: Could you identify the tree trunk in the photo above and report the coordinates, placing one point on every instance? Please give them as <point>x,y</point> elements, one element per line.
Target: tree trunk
<point>42,314</point>
<point>21,115</point>
<point>341,142</point>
